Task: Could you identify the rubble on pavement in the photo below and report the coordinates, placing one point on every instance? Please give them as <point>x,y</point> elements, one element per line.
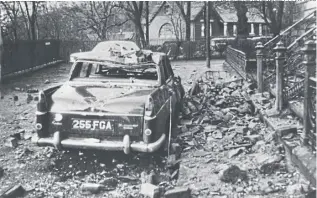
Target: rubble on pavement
<point>226,149</point>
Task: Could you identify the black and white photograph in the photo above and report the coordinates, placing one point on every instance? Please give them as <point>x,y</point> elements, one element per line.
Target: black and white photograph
<point>158,99</point>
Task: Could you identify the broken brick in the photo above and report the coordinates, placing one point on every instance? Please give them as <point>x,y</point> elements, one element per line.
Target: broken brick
<point>283,131</point>
<point>150,190</point>
<point>178,192</point>
<point>11,142</point>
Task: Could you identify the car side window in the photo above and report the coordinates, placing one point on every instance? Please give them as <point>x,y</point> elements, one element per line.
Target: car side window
<point>85,70</point>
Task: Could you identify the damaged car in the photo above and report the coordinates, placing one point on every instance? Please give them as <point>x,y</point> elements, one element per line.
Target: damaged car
<point>122,100</point>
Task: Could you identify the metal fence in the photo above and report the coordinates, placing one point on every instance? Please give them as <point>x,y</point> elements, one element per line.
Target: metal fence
<point>25,55</point>
<point>237,60</point>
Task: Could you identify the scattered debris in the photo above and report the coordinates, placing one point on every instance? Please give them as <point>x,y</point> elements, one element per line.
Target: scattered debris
<point>11,142</point>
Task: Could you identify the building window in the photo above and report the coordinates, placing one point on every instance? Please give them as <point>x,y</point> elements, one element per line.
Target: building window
<point>166,31</point>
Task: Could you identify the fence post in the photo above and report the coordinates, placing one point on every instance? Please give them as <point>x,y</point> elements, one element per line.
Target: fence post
<point>259,63</point>
<point>279,61</point>
<point>309,51</point>
<point>1,55</point>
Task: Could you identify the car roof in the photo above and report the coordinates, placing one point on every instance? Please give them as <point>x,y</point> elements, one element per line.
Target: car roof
<point>99,57</point>
<point>116,45</point>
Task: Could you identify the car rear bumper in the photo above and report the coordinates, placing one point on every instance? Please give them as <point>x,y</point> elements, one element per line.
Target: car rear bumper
<point>81,143</point>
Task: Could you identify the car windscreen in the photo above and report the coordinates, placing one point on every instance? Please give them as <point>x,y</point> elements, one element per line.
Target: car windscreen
<point>91,70</point>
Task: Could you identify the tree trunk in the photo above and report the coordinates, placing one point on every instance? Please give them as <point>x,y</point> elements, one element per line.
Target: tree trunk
<point>242,25</point>
<point>187,20</point>
<point>33,21</point>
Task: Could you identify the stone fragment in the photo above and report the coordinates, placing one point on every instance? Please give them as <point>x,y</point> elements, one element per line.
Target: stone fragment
<point>147,178</point>
<point>172,161</point>
<point>91,187</point>
<point>210,128</point>
<point>236,93</point>
<point>253,138</point>
<point>191,106</point>
<point>228,117</point>
<point>294,189</point>
<point>239,189</point>
<point>19,135</point>
<point>32,91</point>
<point>16,191</point>
<point>254,127</point>
<point>120,166</point>
<point>217,134</point>
<point>271,165</point>
<point>11,142</point>
<point>176,149</point>
<point>233,85</point>
<point>235,152</point>
<point>233,174</point>
<point>59,195</point>
<point>244,108</point>
<point>178,192</point>
<point>110,181</point>
<point>150,190</point>
<point>46,81</point>
<point>1,172</point>
<point>284,131</point>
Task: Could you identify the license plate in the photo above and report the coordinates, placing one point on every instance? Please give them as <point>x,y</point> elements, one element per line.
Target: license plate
<point>104,125</point>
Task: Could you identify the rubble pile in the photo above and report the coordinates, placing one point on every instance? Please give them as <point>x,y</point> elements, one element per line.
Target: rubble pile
<point>226,148</point>
<point>220,112</point>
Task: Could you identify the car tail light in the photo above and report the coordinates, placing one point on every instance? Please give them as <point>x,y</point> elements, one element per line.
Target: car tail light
<point>41,116</point>
<point>42,105</point>
<point>149,106</point>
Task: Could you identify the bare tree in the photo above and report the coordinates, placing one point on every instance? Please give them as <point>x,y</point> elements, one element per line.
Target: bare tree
<point>12,11</point>
<point>134,11</point>
<point>31,10</point>
<point>186,15</point>
<point>97,17</point>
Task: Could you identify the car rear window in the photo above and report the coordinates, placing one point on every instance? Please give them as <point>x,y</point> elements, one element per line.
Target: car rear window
<point>103,70</point>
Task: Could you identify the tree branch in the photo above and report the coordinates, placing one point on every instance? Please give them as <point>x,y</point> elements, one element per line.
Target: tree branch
<point>157,12</point>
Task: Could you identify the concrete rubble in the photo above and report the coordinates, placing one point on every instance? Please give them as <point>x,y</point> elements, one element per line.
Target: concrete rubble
<point>220,124</point>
